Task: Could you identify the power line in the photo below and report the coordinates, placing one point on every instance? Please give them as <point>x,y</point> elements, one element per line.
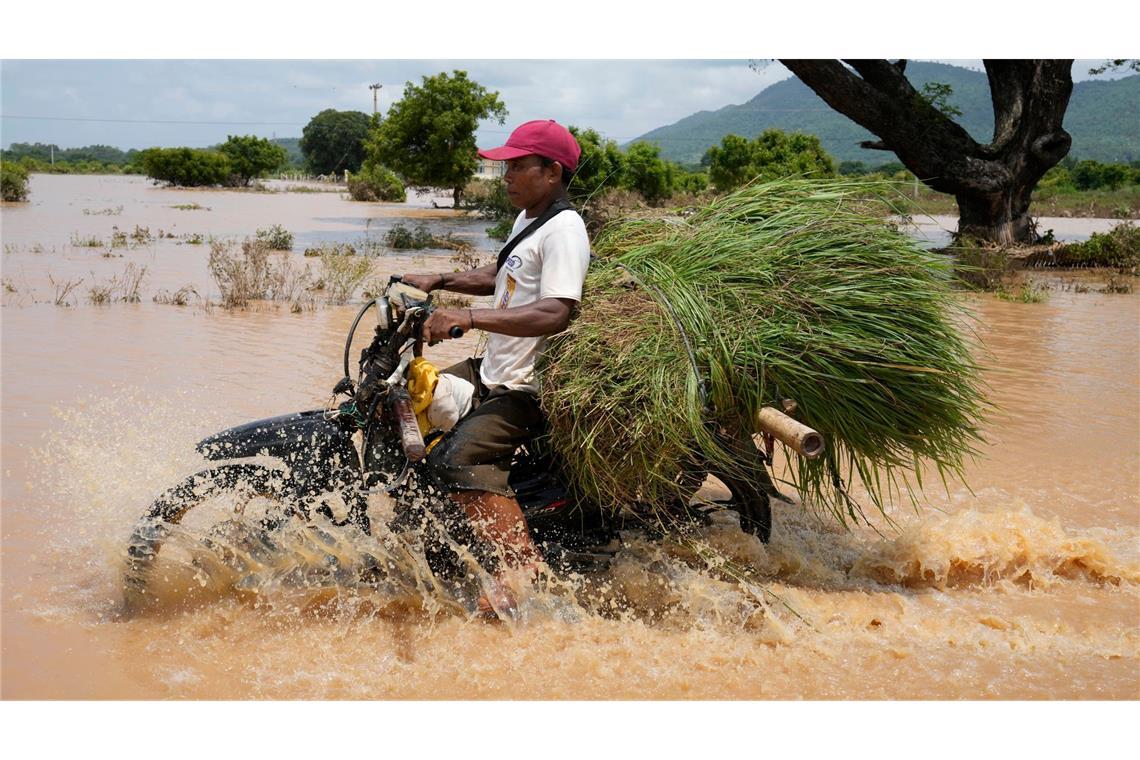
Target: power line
<point>159,121</point>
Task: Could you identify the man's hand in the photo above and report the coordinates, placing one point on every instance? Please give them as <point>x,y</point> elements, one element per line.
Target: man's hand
<point>441,321</point>
<point>425,282</point>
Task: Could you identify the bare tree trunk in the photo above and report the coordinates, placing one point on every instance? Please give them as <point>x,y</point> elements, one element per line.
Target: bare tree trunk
<point>993,183</point>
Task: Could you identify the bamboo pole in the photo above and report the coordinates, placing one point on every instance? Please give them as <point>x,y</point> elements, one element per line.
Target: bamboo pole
<point>795,435</point>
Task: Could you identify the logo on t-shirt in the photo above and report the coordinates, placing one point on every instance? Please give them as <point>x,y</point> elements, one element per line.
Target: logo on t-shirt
<point>513,262</point>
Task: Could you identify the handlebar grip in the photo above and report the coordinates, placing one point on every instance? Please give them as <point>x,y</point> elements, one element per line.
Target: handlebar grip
<point>456,332</point>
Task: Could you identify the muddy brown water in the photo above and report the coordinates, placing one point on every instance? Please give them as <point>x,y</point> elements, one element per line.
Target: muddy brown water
<point>1026,584</point>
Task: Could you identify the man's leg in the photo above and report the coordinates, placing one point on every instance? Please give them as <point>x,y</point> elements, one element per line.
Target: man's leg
<point>499,520</point>
<point>474,460</point>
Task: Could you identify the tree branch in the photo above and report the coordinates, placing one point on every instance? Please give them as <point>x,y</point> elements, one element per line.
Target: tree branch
<point>882,100</point>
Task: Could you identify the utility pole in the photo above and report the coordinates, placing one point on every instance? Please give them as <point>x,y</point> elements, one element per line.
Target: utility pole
<point>375,91</point>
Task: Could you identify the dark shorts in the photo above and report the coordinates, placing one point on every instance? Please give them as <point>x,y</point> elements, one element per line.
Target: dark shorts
<point>476,454</point>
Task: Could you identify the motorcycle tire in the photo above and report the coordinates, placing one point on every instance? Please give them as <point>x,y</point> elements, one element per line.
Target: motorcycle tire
<point>174,504</point>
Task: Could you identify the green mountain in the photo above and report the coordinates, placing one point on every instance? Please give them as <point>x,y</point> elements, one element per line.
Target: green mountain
<point>293,148</point>
<point>1103,118</point>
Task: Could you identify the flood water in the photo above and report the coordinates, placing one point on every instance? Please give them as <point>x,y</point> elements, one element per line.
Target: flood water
<point>1022,583</point>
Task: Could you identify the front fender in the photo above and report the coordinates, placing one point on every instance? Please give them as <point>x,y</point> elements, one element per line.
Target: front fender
<point>289,437</point>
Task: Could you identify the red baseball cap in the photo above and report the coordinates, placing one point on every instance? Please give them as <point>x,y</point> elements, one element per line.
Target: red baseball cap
<point>542,137</point>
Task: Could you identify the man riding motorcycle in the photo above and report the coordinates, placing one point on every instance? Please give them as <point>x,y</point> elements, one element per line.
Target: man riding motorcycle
<point>536,282</point>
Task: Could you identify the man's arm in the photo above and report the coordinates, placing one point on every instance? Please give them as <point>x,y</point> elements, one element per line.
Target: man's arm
<point>545,317</point>
<point>474,282</point>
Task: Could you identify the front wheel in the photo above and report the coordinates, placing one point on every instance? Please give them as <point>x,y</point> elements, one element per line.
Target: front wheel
<point>243,482</point>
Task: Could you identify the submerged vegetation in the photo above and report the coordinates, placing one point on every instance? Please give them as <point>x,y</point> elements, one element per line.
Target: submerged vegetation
<point>276,238</point>
<point>253,273</point>
<point>785,290</point>
<point>1001,270</point>
<point>400,237</point>
<point>13,182</point>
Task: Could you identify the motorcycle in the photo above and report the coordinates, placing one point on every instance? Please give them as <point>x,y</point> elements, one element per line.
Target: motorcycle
<point>319,466</point>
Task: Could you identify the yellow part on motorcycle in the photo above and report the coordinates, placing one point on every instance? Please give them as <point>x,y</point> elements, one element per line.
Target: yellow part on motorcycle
<point>422,379</point>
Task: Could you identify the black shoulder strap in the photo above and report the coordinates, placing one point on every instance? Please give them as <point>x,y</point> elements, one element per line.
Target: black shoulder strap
<point>556,208</point>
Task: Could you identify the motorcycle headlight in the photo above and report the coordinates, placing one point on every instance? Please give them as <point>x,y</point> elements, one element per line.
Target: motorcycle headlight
<point>383,314</point>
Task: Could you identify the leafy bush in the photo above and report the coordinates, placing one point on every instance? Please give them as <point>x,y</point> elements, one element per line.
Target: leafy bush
<point>376,183</point>
<point>501,230</point>
<point>772,155</point>
<point>1027,292</point>
<point>186,167</point>
<point>402,238</point>
<point>648,173</point>
<point>13,181</point>
<point>489,200</point>
<point>334,249</point>
<point>276,238</point>
<point>600,166</point>
<point>1119,247</point>
<point>251,156</point>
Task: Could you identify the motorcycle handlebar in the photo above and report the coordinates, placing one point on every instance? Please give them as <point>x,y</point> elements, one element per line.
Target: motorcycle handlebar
<point>456,332</point>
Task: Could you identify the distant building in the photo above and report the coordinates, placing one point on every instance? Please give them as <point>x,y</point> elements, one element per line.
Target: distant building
<point>488,169</point>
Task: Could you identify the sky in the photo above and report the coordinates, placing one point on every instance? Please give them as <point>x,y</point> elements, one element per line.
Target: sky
<point>197,103</point>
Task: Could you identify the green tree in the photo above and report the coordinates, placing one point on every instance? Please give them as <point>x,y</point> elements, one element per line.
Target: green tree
<point>187,167</point>
<point>13,182</point>
<point>333,141</point>
<point>772,155</point>
<point>376,183</point>
<point>428,136</point>
<point>691,182</point>
<point>729,163</point>
<point>648,173</point>
<point>600,165</point>
<point>251,156</point>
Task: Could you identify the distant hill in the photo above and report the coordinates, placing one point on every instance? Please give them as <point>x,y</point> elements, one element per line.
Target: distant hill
<point>292,145</point>
<point>1103,118</point>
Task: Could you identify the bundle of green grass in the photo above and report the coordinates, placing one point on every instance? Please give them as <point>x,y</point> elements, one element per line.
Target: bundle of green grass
<point>793,289</point>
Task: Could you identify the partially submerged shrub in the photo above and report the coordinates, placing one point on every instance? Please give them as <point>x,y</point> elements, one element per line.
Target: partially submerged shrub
<point>180,297</point>
<point>376,183</point>
<point>342,274</point>
<point>276,238</point>
<point>402,238</point>
<point>62,290</point>
<point>254,274</point>
<point>13,182</point>
<point>1026,292</point>
<point>186,167</point>
<point>336,249</point>
<point>1118,248</point>
<point>88,241</point>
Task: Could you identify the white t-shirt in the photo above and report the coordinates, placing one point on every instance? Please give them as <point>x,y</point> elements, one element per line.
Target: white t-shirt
<point>551,263</point>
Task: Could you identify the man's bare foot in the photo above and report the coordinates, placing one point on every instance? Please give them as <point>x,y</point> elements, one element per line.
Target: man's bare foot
<point>497,601</point>
<point>499,598</point>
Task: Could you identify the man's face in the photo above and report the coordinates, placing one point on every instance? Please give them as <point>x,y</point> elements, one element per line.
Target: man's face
<point>529,182</point>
